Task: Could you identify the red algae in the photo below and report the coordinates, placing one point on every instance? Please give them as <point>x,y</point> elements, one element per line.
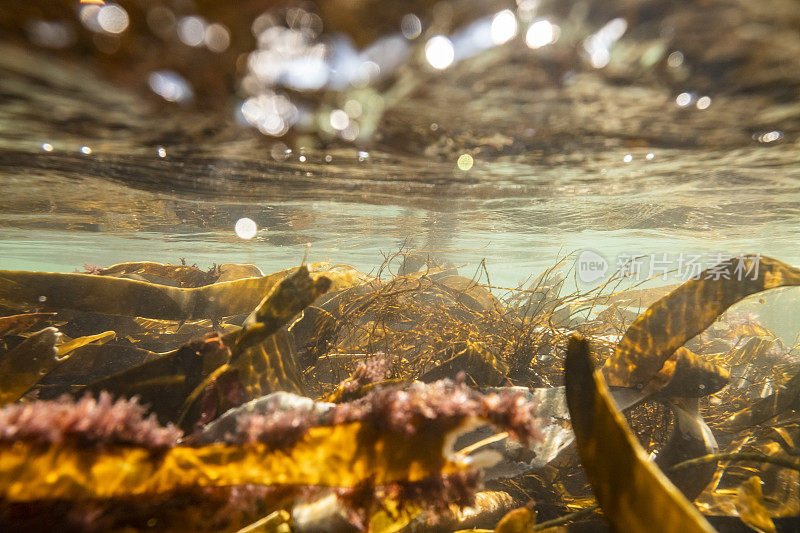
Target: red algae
<point>440,403</point>
<point>87,420</point>
<point>277,429</point>
<point>397,409</point>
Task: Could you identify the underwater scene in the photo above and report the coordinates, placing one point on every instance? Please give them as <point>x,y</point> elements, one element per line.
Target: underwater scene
<point>421,266</point>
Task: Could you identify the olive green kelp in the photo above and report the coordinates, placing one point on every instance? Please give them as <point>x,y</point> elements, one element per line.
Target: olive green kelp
<point>106,294</point>
<point>172,382</point>
<point>687,311</point>
<point>632,491</point>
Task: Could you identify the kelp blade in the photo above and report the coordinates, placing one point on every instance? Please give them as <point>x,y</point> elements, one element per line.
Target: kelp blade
<point>634,494</point>
<point>687,311</point>
<point>23,366</point>
<point>765,408</point>
<point>334,456</point>
<point>127,297</point>
<point>187,369</point>
<point>14,324</point>
<point>286,299</point>
<point>750,505</point>
<point>70,346</point>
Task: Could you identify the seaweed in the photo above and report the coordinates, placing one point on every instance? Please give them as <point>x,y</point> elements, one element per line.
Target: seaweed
<point>224,399</point>
<point>632,491</point>
<point>688,310</point>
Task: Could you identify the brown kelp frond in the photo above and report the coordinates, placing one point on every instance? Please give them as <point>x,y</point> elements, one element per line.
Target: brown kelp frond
<point>88,420</point>
<point>16,324</point>
<point>134,298</point>
<point>286,298</point>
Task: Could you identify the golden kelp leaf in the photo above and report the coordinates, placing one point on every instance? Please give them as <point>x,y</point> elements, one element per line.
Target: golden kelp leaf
<point>345,455</point>
<point>272,363</point>
<point>261,359</point>
<point>394,516</point>
<point>232,271</point>
<point>125,297</point>
<point>467,292</point>
<point>342,276</point>
<point>517,521</point>
<point>11,325</point>
<point>755,349</point>
<point>686,375</point>
<point>614,319</point>
<point>155,327</point>
<point>750,504</point>
<point>634,494</point>
<point>259,370</point>
<point>269,366</point>
<point>93,362</point>
<point>69,346</point>
<point>687,311</point>
<point>636,297</point>
<point>23,366</point>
